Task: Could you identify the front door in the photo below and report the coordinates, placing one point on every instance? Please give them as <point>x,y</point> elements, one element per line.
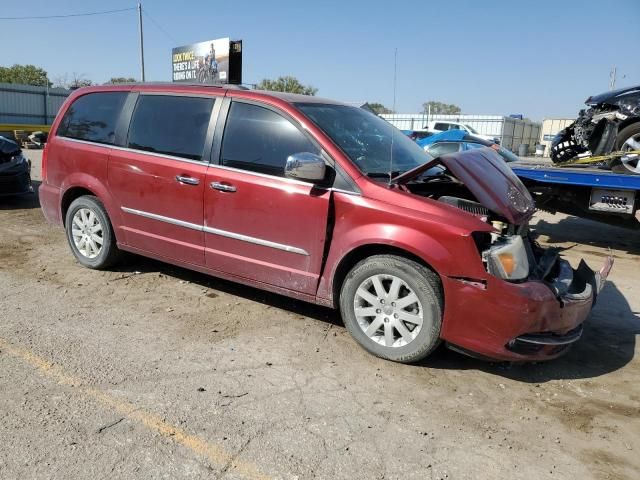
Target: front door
<point>158,180</point>
<point>258,224</point>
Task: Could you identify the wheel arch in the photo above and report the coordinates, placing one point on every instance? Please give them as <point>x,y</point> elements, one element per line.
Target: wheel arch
<point>69,196</point>
<point>84,184</point>
<point>359,253</point>
<point>629,121</point>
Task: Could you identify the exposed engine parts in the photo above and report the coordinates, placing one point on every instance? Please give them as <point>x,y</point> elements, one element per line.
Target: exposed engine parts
<point>611,123</point>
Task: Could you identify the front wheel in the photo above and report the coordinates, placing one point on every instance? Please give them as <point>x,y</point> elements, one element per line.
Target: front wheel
<point>392,306</point>
<point>628,139</point>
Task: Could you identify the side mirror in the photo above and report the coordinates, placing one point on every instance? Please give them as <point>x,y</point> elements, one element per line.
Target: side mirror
<point>305,166</point>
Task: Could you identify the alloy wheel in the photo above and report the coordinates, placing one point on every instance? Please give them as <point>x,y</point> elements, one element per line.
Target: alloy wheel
<point>388,311</point>
<point>87,233</point>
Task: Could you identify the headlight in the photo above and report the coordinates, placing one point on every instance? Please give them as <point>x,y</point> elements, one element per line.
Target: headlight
<point>508,259</point>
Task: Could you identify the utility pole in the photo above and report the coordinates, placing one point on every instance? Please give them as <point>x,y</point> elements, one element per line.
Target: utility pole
<point>612,78</point>
<point>141,41</point>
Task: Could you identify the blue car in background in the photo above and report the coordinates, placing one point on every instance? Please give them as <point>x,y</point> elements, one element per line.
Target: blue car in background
<point>417,134</point>
<point>453,141</point>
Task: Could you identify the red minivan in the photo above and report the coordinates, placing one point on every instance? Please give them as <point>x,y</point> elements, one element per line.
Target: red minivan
<point>317,200</point>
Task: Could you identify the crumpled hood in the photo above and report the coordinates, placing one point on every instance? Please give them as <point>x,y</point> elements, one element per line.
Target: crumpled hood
<point>8,148</point>
<point>488,178</point>
<point>10,155</point>
<point>613,97</point>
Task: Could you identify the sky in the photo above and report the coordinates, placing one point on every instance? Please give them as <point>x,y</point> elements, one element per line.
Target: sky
<point>538,58</point>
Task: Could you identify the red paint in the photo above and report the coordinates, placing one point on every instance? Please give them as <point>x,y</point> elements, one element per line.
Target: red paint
<point>481,314</point>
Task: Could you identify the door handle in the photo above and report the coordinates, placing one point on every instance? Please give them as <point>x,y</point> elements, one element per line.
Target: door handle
<point>187,180</point>
<point>222,187</point>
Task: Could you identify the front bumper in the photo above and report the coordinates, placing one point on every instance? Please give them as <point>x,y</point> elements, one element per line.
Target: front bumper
<point>530,321</point>
<point>15,183</point>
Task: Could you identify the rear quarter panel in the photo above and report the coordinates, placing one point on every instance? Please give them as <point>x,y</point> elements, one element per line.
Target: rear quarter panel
<point>82,164</point>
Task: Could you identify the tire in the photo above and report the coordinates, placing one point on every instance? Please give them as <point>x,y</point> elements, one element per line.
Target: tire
<point>626,133</point>
<point>408,342</point>
<point>87,218</point>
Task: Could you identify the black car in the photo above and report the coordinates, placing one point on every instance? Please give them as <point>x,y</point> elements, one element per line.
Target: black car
<point>611,123</point>
<point>15,169</point>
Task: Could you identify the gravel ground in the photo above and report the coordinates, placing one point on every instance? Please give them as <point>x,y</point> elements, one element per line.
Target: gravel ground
<point>152,371</point>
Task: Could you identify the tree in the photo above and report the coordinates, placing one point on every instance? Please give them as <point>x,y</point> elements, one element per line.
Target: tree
<point>286,84</point>
<point>73,81</point>
<point>122,80</point>
<point>441,108</point>
<point>378,108</point>
<point>25,75</point>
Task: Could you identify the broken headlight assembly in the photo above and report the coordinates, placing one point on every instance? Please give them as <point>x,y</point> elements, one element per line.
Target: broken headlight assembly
<point>506,257</point>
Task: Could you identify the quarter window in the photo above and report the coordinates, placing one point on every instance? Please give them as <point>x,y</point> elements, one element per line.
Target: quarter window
<point>171,125</point>
<point>93,117</point>
<point>260,140</point>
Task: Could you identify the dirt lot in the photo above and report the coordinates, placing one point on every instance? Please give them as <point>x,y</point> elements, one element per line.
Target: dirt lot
<point>151,371</point>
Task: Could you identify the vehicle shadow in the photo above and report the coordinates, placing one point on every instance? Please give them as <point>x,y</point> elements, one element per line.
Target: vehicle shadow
<point>136,263</point>
<point>21,202</point>
<point>607,345</point>
<point>588,232</point>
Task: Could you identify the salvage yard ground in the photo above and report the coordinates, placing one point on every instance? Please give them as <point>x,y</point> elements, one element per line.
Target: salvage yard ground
<point>152,371</point>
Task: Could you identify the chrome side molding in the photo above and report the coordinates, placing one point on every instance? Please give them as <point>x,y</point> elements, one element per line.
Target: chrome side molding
<point>216,231</point>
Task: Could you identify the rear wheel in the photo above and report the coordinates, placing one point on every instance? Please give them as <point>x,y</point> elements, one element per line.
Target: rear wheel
<point>90,233</point>
<point>392,306</point>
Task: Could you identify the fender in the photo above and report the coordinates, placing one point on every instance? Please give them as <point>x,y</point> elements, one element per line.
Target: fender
<point>100,190</point>
<point>450,258</point>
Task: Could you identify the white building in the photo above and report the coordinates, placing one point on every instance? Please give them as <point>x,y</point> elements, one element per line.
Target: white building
<point>512,132</point>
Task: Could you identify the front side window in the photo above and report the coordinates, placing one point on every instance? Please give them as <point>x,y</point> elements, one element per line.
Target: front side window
<point>93,117</point>
<point>260,140</point>
<point>171,125</point>
<point>375,146</point>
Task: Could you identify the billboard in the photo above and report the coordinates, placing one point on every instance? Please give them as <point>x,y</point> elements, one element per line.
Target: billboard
<point>213,61</point>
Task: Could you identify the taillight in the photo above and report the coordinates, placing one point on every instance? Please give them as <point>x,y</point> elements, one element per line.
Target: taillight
<point>44,162</point>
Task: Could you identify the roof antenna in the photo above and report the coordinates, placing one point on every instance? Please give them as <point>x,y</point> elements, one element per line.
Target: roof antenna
<point>395,75</point>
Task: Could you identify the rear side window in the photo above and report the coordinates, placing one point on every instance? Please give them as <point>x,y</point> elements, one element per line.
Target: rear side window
<point>441,126</point>
<point>260,140</point>
<point>171,125</point>
<point>93,117</point>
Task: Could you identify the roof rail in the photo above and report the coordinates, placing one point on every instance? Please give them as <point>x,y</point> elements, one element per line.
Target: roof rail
<point>187,84</point>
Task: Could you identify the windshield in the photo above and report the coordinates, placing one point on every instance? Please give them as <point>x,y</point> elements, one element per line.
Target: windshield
<point>471,129</point>
<point>366,139</point>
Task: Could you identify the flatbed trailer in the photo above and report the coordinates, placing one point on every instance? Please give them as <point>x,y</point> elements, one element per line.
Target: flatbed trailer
<point>583,191</point>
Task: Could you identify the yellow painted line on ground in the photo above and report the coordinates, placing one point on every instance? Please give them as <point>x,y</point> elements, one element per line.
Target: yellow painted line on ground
<point>210,451</point>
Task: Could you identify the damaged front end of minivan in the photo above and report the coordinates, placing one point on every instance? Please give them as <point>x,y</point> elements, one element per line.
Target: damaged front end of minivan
<point>532,303</point>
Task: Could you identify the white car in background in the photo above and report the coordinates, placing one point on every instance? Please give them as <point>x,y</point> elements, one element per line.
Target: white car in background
<point>438,126</point>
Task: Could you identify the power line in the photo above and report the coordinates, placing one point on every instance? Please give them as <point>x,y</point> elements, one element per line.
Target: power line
<point>42,17</point>
<point>144,11</point>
